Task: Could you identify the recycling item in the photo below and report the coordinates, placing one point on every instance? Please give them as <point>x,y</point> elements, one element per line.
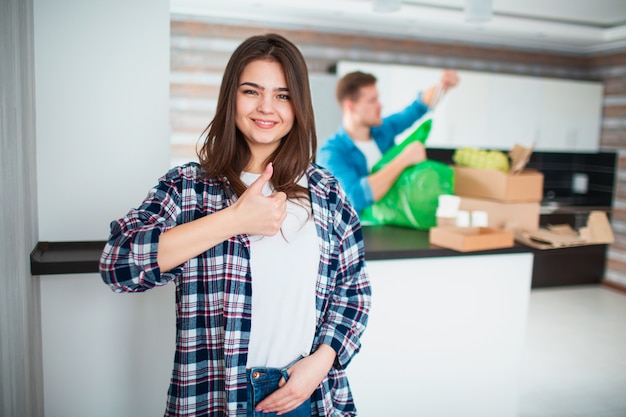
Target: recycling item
<point>413,199</point>
<point>481,158</point>
<point>516,184</point>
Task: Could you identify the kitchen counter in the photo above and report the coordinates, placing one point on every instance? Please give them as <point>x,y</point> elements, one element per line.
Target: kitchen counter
<point>381,242</point>
<point>66,257</point>
<point>553,267</point>
<point>389,242</point>
<point>437,308</point>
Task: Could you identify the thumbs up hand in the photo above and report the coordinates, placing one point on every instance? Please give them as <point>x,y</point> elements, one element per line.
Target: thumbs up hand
<point>258,214</point>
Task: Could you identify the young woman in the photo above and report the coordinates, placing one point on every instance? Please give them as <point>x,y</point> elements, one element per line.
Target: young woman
<point>272,293</point>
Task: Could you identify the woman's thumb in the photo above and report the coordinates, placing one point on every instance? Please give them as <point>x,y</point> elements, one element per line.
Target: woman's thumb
<point>263,179</point>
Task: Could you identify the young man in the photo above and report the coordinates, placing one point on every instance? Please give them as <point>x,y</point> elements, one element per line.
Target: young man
<point>364,136</point>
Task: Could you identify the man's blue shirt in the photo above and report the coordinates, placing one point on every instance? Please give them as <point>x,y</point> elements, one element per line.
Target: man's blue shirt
<point>345,161</point>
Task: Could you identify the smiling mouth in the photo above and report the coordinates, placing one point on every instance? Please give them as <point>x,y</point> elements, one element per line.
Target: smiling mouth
<point>265,123</point>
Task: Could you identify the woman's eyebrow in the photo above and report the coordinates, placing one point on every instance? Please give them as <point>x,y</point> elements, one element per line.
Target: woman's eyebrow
<point>255,85</point>
<point>252,85</point>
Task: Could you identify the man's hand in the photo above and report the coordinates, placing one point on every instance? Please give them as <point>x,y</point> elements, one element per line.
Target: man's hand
<point>433,95</point>
<point>382,180</point>
<point>412,154</point>
<point>449,79</point>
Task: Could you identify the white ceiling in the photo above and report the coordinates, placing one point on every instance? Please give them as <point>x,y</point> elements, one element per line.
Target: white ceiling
<point>570,26</point>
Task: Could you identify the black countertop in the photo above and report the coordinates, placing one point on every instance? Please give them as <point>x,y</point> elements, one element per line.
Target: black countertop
<point>389,242</point>
<point>381,243</point>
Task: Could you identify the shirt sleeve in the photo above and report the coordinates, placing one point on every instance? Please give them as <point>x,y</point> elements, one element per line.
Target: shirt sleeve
<point>350,300</point>
<point>396,123</point>
<point>129,259</point>
<point>348,165</point>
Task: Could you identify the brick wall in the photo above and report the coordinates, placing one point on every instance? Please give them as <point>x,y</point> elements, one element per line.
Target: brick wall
<point>611,69</point>
<point>200,51</point>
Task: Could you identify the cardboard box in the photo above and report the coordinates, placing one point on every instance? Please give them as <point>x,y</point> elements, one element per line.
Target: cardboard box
<point>526,186</point>
<point>502,215</point>
<point>468,239</point>
<point>598,231</point>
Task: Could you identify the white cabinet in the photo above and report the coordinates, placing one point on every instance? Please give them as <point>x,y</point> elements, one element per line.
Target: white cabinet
<point>445,337</point>
<point>495,110</point>
<point>571,114</point>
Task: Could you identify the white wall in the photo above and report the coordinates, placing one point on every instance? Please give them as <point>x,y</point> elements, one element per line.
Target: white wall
<point>102,91</point>
<point>105,354</point>
<point>325,107</point>
<point>103,139</point>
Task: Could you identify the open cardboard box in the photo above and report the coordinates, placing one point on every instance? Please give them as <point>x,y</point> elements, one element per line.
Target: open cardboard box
<point>598,231</point>
<point>518,185</point>
<point>501,215</point>
<point>468,239</point>
<point>526,186</point>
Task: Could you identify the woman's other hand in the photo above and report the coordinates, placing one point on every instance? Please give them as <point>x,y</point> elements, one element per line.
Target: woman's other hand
<point>304,377</point>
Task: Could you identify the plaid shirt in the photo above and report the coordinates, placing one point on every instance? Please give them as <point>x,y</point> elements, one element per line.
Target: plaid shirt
<point>213,291</point>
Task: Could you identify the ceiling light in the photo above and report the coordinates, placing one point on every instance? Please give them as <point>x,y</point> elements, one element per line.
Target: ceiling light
<point>386,6</point>
<point>478,11</point>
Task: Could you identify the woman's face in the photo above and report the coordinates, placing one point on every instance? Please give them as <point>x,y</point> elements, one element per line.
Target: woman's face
<point>264,111</point>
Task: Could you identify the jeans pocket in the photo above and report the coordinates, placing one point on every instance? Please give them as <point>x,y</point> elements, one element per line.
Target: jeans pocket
<point>284,371</point>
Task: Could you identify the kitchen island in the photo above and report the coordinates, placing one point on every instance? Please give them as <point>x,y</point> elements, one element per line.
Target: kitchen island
<point>445,336</point>
<point>446,331</point>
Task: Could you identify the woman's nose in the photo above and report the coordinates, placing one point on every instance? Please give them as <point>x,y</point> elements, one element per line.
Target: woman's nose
<point>265,105</point>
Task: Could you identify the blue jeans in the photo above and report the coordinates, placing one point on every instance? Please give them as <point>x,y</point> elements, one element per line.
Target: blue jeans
<point>264,381</point>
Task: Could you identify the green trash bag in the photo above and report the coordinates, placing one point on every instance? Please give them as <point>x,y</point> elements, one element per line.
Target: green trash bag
<point>412,200</point>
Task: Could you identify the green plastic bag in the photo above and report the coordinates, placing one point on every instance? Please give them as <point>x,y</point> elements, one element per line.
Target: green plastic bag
<point>420,134</point>
<point>412,200</point>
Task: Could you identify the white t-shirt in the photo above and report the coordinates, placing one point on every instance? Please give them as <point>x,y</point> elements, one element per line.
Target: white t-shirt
<point>284,275</point>
<point>370,150</point>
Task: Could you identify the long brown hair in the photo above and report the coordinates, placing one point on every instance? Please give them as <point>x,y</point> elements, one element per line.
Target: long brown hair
<point>225,152</point>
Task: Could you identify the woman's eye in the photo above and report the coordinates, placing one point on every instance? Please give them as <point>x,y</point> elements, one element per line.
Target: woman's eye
<point>248,91</point>
<point>283,97</point>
